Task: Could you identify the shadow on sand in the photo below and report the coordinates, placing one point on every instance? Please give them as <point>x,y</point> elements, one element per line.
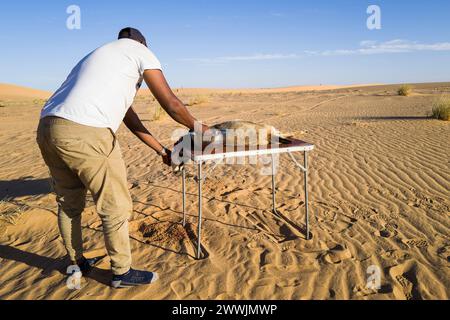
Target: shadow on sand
<point>24,187</point>
<point>48,265</point>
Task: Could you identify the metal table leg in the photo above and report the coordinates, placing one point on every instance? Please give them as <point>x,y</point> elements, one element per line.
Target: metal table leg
<point>183,183</point>
<point>305,173</point>
<point>274,205</point>
<point>200,178</point>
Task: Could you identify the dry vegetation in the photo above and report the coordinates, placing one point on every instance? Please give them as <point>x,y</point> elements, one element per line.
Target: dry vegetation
<point>40,102</point>
<point>405,90</point>
<point>441,108</point>
<point>197,100</point>
<point>159,112</point>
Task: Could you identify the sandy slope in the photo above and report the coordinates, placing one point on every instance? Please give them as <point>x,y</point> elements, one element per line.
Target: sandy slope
<point>206,91</point>
<point>13,92</point>
<point>379,194</point>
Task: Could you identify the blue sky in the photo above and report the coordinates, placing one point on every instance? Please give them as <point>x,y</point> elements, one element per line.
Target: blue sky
<point>232,44</point>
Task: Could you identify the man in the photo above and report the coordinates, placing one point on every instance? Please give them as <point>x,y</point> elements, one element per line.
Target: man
<point>76,136</point>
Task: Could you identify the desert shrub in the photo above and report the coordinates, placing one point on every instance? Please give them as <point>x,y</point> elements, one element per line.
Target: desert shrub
<point>404,90</point>
<point>197,100</point>
<point>441,108</point>
<point>40,102</point>
<point>159,112</point>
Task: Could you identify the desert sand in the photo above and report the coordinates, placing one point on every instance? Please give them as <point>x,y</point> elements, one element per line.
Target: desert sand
<point>18,93</point>
<point>379,195</point>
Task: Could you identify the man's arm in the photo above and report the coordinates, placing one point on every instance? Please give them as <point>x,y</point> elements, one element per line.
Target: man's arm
<point>135,125</point>
<point>174,107</point>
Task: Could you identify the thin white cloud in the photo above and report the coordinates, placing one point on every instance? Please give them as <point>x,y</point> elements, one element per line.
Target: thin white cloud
<point>366,47</point>
<point>255,57</point>
<point>277,14</point>
<point>369,47</point>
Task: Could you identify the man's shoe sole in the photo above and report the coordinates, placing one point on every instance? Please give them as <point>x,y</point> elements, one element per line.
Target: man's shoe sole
<point>121,284</point>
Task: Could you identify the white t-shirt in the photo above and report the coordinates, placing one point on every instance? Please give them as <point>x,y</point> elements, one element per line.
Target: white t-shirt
<point>102,86</point>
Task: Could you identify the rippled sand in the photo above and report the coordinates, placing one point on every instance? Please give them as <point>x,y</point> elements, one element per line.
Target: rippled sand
<point>379,195</point>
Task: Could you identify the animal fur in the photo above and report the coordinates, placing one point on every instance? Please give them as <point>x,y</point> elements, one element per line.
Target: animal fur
<point>263,134</point>
<point>240,133</point>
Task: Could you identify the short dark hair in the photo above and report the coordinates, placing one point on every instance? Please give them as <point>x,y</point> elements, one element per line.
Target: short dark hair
<point>134,34</point>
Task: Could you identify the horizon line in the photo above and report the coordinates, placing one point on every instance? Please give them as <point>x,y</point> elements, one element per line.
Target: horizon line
<point>324,85</point>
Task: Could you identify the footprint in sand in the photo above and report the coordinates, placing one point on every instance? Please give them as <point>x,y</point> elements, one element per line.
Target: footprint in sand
<point>384,233</point>
<point>287,246</point>
<point>338,254</point>
<point>406,288</point>
<point>404,276</point>
<point>182,289</point>
<point>428,202</point>
<point>388,231</point>
<point>336,222</point>
<point>418,243</point>
<point>444,253</point>
<point>360,291</point>
<point>398,255</point>
<point>392,226</point>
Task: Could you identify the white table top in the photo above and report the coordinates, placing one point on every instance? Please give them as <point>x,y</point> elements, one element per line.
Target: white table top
<point>219,151</point>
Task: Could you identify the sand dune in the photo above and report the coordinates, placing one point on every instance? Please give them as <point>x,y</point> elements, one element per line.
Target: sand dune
<point>379,189</point>
<point>13,92</point>
<point>203,91</point>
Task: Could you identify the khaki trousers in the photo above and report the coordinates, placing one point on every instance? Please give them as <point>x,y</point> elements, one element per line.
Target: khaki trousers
<point>82,158</point>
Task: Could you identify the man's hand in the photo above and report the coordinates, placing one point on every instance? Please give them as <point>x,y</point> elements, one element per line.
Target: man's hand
<point>166,156</point>
<point>205,128</point>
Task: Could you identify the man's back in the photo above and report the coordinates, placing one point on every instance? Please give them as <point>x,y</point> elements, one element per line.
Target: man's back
<point>102,86</point>
<point>82,154</point>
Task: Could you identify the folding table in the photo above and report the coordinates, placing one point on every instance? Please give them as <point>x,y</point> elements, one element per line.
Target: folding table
<point>199,157</point>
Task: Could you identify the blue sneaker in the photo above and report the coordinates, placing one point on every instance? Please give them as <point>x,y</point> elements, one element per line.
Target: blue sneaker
<point>86,265</point>
<point>133,278</point>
